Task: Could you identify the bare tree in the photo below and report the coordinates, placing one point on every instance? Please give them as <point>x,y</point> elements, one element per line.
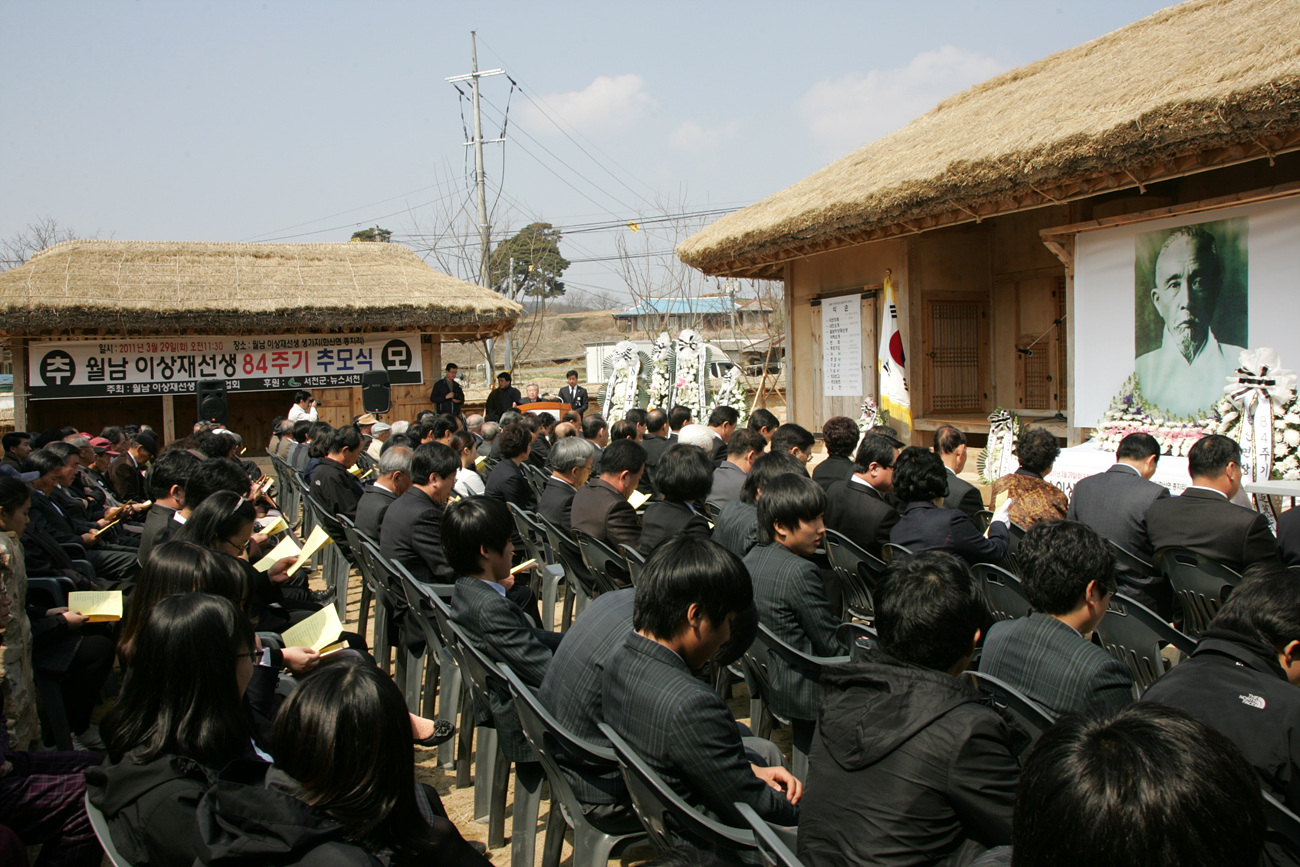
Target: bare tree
<point>650,268</point>
<point>41,233</point>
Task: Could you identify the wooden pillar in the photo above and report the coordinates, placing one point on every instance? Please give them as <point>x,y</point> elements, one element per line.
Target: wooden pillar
<point>18,356</point>
<point>169,418</point>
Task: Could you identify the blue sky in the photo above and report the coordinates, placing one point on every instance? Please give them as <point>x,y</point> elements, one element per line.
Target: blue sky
<point>302,121</point>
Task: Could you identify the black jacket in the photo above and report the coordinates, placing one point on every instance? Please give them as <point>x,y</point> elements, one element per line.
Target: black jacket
<point>862,513</point>
<point>907,768</point>
<point>339,492</point>
<point>665,520</point>
<point>1208,524</point>
<point>557,502</point>
<point>371,509</point>
<point>834,469</point>
<point>926,527</point>
<point>447,398</point>
<point>411,536</point>
<point>508,484</point>
<point>576,397</point>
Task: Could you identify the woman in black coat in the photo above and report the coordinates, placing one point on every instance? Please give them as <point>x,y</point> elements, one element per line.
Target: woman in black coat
<point>684,477</point>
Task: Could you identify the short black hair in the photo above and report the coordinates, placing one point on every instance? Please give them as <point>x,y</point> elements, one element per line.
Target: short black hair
<point>443,426</point>
<point>1036,449</point>
<point>1210,455</point>
<point>928,609</point>
<point>545,421</point>
<point>1147,784</point>
<point>472,523</point>
<point>678,416</point>
<point>570,373</point>
<point>212,444</point>
<point>592,425</point>
<point>451,365</point>
<point>346,437</point>
<point>876,449</point>
<point>515,440</point>
<point>744,441</point>
<point>655,421</point>
<point>1137,446</point>
<point>685,571</point>
<point>301,430</point>
<point>947,439</point>
<point>762,418</point>
<point>788,500</point>
<point>63,450</point>
<point>791,436</point>
<point>766,468</point>
<point>44,461</point>
<point>919,475</point>
<point>623,429</point>
<point>433,459</point>
<point>1265,606</point>
<point>14,438</point>
<point>212,475</point>
<point>505,374</point>
<point>622,456</point>
<point>172,468</point>
<point>684,473</point>
<point>840,434</point>
<point>723,415</point>
<point>635,415</point>
<point>1058,559</point>
<point>301,395</point>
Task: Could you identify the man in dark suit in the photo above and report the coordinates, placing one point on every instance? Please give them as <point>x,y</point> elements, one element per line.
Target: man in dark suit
<point>507,482</point>
<point>789,591</point>
<point>1115,503</point>
<point>950,446</point>
<point>334,486</point>
<point>863,508</point>
<point>571,462</point>
<point>575,395</point>
<point>110,564</point>
<point>745,447</point>
<point>477,546</point>
<point>1204,520</point>
<point>600,508</point>
<point>167,483</point>
<point>686,599</point>
<point>678,417</point>
<point>447,396</point>
<point>722,421</point>
<point>393,480</point>
<point>841,435</point>
<point>656,440</point>
<point>1068,572</point>
<point>411,533</point>
<point>126,474</point>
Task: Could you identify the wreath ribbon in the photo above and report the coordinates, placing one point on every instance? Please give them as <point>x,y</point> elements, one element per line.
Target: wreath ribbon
<point>1259,385</point>
<point>1001,442</point>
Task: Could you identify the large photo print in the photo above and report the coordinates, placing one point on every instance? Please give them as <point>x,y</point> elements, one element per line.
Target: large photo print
<point>1190,313</point>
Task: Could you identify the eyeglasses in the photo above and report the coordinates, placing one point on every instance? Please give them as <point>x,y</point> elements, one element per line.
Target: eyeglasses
<point>254,656</point>
<point>242,549</point>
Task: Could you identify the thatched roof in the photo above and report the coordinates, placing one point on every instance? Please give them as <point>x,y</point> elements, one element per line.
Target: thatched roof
<point>1204,83</point>
<point>171,287</point>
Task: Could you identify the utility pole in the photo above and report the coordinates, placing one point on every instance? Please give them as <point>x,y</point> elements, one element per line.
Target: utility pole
<point>480,178</point>
<point>510,342</point>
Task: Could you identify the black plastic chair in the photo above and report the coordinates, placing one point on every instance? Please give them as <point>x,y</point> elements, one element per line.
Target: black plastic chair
<point>1003,590</point>
<point>536,481</point>
<point>607,568</point>
<point>547,574</point>
<point>579,587</point>
<point>753,667</point>
<point>1200,584</point>
<point>1134,563</point>
<point>1283,825</point>
<point>1032,718</point>
<point>1133,634</point>
<point>556,745</point>
<point>665,814</point>
<point>852,633</point>
<point>634,560</point>
<point>857,571</point>
<point>774,851</point>
<point>982,519</point>
<point>810,667</point>
<point>890,550</point>
<point>99,825</point>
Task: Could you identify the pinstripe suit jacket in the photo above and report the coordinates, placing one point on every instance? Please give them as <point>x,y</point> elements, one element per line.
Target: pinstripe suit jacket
<point>791,600</point>
<point>737,527</point>
<point>685,731</point>
<point>501,630</point>
<point>1055,666</point>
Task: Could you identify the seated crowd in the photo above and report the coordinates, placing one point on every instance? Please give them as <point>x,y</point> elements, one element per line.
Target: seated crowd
<point>225,746</point>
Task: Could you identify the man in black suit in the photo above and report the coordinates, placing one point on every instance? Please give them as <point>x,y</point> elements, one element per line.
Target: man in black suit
<point>863,508</point>
<point>411,532</point>
<point>1115,503</point>
<point>1068,571</point>
<point>950,446</point>
<point>575,395</point>
<point>678,417</point>
<point>507,482</point>
<point>595,430</point>
<point>447,396</point>
<point>688,595</point>
<point>571,462</point>
<point>841,435</point>
<point>477,546</point>
<point>167,483</point>
<point>745,447</point>
<point>789,591</point>
<point>110,564</point>
<point>1203,518</point>
<point>334,486</point>
<point>393,480</point>
<point>656,440</point>
<point>600,508</point>
<point>126,474</point>
<point>722,421</point>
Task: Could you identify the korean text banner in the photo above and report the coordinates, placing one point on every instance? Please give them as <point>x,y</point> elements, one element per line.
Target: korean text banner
<point>171,365</point>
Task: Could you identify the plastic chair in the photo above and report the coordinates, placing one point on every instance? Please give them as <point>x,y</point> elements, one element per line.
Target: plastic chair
<point>100,826</point>
<point>369,591</point>
<point>773,850</point>
<point>810,667</point>
<point>981,520</point>
<point>753,667</point>
<point>1003,590</point>
<point>1030,716</point>
<point>548,574</point>
<point>1200,584</point>
<point>491,764</point>
<point>288,494</point>
<point>664,813</point>
<point>579,588</point>
<point>536,481</point>
<point>555,745</point>
<point>1125,557</point>
<point>891,550</point>
<point>1283,825</point>
<point>606,565</point>
<point>335,568</point>
<point>857,570</point>
<point>1133,634</point>
<point>634,560</point>
<point>852,633</point>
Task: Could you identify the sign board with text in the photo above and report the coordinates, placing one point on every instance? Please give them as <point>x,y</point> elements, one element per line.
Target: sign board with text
<point>842,347</point>
<point>172,365</point>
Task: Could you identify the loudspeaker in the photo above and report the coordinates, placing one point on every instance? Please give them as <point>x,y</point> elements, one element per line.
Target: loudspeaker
<point>376,394</point>
<point>211,394</point>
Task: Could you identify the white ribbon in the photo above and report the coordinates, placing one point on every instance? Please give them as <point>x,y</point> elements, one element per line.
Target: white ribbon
<point>1259,382</point>
<point>1001,443</point>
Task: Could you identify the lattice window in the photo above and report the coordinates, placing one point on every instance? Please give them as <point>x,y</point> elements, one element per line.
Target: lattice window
<point>1038,378</point>
<point>955,356</point>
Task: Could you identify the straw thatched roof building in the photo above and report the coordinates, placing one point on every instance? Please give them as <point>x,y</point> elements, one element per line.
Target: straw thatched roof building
<point>1202,84</point>
<point>132,288</point>
<point>972,213</point>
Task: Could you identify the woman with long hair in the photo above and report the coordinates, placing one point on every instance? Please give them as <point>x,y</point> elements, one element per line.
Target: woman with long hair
<point>342,790</point>
<point>468,482</point>
<point>179,720</point>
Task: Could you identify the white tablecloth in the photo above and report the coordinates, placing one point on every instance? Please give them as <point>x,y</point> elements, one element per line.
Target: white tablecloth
<point>1086,460</point>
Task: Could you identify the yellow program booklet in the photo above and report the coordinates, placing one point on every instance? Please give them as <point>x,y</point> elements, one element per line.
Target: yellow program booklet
<point>97,605</point>
<point>317,540</point>
<point>286,548</point>
<point>317,632</point>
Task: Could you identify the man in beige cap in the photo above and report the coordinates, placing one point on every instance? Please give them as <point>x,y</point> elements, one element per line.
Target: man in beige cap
<point>379,434</point>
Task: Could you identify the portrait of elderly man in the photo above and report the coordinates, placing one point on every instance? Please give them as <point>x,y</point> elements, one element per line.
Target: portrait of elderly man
<point>1184,374</point>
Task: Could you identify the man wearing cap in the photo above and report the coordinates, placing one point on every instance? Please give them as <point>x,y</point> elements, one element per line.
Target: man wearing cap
<point>503,398</point>
<point>126,474</point>
<point>97,470</point>
<point>380,431</point>
<point>447,396</point>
